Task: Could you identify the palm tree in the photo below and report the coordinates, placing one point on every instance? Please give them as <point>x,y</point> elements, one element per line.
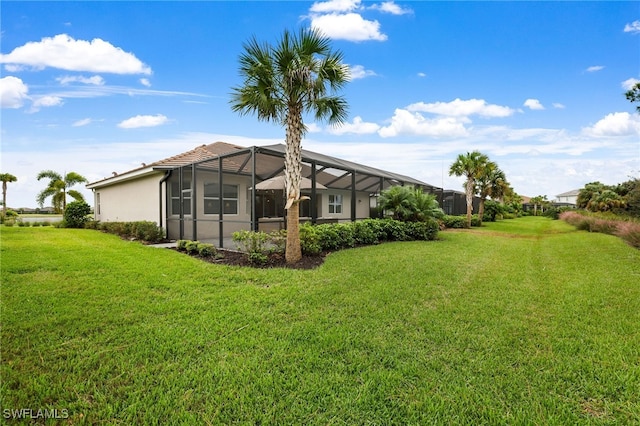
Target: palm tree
<point>297,76</point>
<point>471,166</point>
<point>539,200</point>
<point>58,188</point>
<point>399,200</point>
<point>491,183</point>
<point>6,178</point>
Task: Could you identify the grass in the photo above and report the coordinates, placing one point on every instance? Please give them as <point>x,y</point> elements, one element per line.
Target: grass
<point>524,321</point>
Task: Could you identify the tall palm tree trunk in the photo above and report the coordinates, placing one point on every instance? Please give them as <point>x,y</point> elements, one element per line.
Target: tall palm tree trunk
<point>4,198</point>
<point>293,175</point>
<point>481,210</point>
<point>469,194</point>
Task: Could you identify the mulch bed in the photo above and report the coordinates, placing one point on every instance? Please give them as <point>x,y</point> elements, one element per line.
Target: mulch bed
<point>275,260</point>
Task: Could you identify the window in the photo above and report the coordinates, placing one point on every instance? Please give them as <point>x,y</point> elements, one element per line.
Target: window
<point>212,198</point>
<point>186,196</point>
<point>335,204</point>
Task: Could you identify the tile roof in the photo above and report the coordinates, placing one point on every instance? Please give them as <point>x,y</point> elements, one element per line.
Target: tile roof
<point>200,153</point>
<point>572,193</point>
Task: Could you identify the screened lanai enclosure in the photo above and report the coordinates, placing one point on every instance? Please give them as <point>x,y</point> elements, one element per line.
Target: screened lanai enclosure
<point>210,199</point>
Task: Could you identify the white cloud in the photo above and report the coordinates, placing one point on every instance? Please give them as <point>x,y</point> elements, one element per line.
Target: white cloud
<point>313,128</point>
<point>615,124</point>
<point>404,122</point>
<point>595,68</point>
<point>83,122</point>
<point>95,80</point>
<point>629,83</point>
<point>533,104</point>
<point>463,108</point>
<point>13,92</point>
<point>46,101</point>
<point>422,75</point>
<point>349,26</point>
<point>145,82</point>
<point>335,6</point>
<point>390,7</point>
<point>558,105</point>
<point>358,127</point>
<point>633,27</point>
<point>143,121</point>
<point>64,52</point>
<point>358,71</point>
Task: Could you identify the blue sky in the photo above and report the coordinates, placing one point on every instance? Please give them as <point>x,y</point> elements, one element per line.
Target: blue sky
<point>98,87</point>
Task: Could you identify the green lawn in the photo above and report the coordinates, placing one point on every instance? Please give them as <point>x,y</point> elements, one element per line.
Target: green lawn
<point>524,321</point>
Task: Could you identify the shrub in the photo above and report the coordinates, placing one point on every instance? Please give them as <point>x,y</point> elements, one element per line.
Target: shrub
<point>257,258</point>
<point>192,247</point>
<point>630,232</point>
<point>76,214</point>
<point>251,241</point>
<point>365,233</point>
<point>206,250</point>
<point>394,230</point>
<point>92,224</point>
<point>309,239</point>
<point>377,228</point>
<point>475,220</point>
<point>181,245</point>
<point>146,231</point>
<point>278,241</point>
<point>141,230</point>
<point>336,236</point>
<point>423,231</point>
<point>10,215</point>
<point>492,209</point>
<point>254,244</point>
<point>603,226</point>
<point>410,204</point>
<point>454,222</point>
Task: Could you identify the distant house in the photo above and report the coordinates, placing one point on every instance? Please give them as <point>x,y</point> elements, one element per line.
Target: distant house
<point>214,190</point>
<point>568,198</point>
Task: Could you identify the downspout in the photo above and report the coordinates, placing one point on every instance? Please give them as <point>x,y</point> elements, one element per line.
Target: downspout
<point>353,196</point>
<point>254,219</point>
<point>194,203</point>
<point>166,176</point>
<point>221,212</point>
<point>314,194</point>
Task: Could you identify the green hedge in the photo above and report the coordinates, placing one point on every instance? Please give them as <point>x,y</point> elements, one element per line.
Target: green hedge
<point>315,239</point>
<point>141,230</point>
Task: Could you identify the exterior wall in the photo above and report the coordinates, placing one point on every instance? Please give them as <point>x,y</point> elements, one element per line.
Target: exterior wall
<point>129,201</point>
<point>362,205</point>
<point>208,225</point>
<point>571,199</point>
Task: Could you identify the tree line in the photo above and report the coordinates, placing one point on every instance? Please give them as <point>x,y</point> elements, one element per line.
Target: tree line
<point>58,188</point>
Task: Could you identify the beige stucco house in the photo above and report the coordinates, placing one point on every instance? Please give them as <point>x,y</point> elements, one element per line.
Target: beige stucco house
<point>214,190</point>
<point>568,198</point>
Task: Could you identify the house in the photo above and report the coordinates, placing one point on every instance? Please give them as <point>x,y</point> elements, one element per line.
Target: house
<point>569,198</point>
<point>455,202</point>
<point>210,192</point>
